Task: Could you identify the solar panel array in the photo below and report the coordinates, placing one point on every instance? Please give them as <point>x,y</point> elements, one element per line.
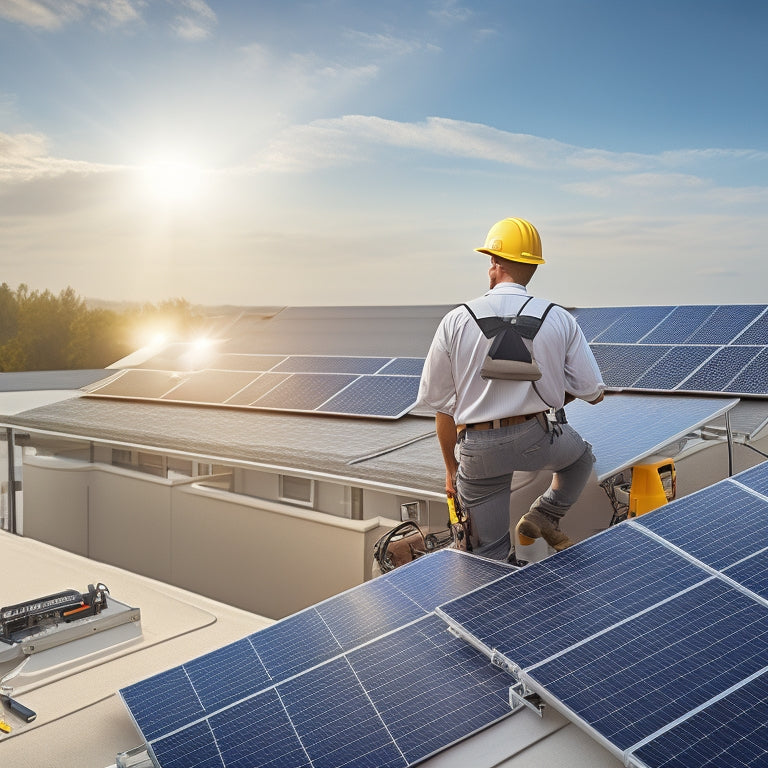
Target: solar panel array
<point>367,678</point>
<point>686,349</point>
<point>694,348</point>
<point>653,635</point>
<point>379,387</point>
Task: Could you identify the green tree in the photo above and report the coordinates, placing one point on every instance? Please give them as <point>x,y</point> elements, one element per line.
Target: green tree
<point>42,331</point>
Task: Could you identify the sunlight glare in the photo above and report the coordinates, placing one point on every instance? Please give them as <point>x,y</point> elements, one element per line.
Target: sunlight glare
<point>172,182</point>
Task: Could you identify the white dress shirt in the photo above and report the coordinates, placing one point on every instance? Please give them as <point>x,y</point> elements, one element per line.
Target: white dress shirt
<point>451,381</point>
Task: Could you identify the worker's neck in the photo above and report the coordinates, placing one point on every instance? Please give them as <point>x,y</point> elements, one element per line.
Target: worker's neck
<point>507,280</point>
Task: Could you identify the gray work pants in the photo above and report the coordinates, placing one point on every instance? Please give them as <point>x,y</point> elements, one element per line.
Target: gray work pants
<point>487,460</point>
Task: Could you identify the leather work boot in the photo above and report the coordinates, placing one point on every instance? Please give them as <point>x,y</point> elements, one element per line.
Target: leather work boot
<point>536,524</point>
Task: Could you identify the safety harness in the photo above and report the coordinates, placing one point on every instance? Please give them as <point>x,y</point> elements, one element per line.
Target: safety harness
<point>509,357</point>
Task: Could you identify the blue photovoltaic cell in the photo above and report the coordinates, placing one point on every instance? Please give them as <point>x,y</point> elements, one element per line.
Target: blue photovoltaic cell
<point>362,614</point>
<point>635,323</point>
<point>323,364</point>
<point>752,573</point>
<point>303,391</point>
<point>725,323</point>
<point>719,525</point>
<point>724,366</point>
<point>594,320</point>
<point>648,423</point>
<point>445,575</point>
<point>293,644</point>
<point>757,333</point>
<point>645,673</point>
<point>163,702</point>
<point>623,364</point>
<point>323,704</point>
<point>755,478</point>
<point>208,675</point>
<point>548,606</point>
<point>730,732</point>
<point>680,325</point>
<point>679,363</point>
<point>259,734</point>
<point>753,380</point>
<point>194,747</point>
<point>258,387</point>
<point>375,396</point>
<point>439,689</point>
<point>404,366</point>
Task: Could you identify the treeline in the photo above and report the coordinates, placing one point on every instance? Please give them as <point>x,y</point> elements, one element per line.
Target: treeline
<point>40,331</point>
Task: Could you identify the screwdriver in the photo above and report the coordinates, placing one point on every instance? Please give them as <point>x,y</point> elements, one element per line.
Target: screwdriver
<point>26,714</point>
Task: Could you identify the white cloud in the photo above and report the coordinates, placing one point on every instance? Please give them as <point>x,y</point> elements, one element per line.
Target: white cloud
<point>388,44</point>
<point>196,23</point>
<point>32,13</point>
<point>53,14</point>
<point>24,158</point>
<point>450,12</point>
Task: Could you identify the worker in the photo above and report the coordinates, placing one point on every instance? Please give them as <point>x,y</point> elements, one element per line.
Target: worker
<point>517,422</point>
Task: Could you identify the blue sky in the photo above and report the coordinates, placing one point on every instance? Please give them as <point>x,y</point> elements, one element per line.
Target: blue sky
<point>338,152</point>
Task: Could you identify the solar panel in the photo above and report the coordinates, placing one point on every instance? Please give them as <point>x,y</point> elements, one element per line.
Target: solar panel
<point>595,320</point>
<point>735,521</point>
<point>210,386</point>
<point>179,709</point>
<point>259,387</point>
<point>392,702</point>
<point>635,323</point>
<point>675,366</point>
<point>648,631</point>
<point>720,370</point>
<point>756,333</point>
<point>679,325</point>
<point>753,380</point>
<point>622,364</point>
<point>404,366</point>
<point>643,674</point>
<point>375,395</point>
<point>304,391</point>
<point>625,429</point>
<point>752,573</point>
<point>732,731</point>
<point>139,383</point>
<point>725,324</point>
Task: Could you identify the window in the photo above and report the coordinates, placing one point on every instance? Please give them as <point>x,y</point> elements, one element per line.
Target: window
<point>297,490</point>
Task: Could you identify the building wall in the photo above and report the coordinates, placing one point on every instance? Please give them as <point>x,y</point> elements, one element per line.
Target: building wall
<point>262,556</point>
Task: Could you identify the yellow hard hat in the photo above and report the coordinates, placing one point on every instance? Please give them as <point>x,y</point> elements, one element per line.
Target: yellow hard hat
<point>514,239</point>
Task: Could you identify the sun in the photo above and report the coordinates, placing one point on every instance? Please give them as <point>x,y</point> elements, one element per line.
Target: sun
<point>172,182</point>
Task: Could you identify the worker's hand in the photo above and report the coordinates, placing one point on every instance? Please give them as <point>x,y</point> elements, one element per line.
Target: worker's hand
<point>450,482</point>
